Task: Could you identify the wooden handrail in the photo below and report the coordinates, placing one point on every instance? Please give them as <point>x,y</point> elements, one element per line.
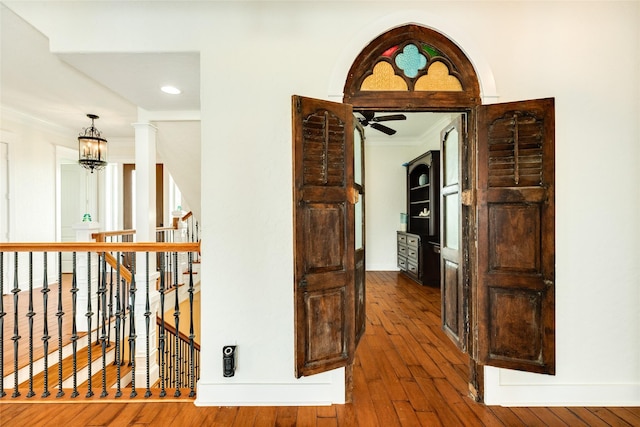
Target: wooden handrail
<point>183,337</point>
<point>112,233</point>
<point>101,235</point>
<point>100,247</point>
<point>113,262</point>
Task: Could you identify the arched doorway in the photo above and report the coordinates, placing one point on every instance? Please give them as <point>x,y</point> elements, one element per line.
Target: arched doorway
<point>498,281</point>
<point>412,68</point>
<point>416,69</point>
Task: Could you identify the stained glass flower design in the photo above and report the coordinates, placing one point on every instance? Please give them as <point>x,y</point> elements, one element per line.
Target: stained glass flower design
<point>410,61</point>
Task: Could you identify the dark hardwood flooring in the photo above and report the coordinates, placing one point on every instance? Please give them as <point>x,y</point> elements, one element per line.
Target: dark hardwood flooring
<point>407,373</point>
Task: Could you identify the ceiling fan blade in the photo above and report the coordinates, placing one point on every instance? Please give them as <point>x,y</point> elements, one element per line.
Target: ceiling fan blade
<point>389,117</point>
<point>382,128</point>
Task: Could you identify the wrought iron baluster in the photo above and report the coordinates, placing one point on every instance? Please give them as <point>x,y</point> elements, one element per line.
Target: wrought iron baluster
<point>117,331</point>
<point>192,383</point>
<point>30,314</point>
<point>162,338</point>
<point>124,295</point>
<point>102,292</point>
<point>111,274</point>
<point>176,316</point>
<point>100,308</point>
<point>16,335</point>
<point>132,325</point>
<point>45,327</point>
<point>74,326</point>
<point>89,316</point>
<point>2,314</point>
<point>60,315</point>
<point>147,319</point>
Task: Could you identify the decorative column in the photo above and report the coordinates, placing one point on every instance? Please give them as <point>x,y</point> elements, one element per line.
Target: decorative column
<point>87,287</point>
<point>145,311</point>
<point>145,182</point>
<point>180,236</point>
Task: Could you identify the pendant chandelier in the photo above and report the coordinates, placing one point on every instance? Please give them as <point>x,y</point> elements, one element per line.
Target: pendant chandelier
<point>92,148</point>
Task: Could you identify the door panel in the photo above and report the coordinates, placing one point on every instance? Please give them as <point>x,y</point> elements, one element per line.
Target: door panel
<point>453,294</point>
<point>516,236</point>
<point>360,228</point>
<point>324,235</point>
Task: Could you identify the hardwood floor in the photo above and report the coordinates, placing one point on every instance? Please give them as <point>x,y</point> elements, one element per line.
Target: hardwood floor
<point>407,373</point>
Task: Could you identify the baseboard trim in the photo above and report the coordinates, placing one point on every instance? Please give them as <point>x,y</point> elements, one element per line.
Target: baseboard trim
<point>496,392</point>
<point>325,390</point>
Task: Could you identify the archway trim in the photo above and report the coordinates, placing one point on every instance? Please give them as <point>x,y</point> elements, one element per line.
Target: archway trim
<point>447,27</point>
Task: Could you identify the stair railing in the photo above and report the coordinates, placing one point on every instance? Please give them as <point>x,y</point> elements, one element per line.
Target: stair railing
<point>96,298</point>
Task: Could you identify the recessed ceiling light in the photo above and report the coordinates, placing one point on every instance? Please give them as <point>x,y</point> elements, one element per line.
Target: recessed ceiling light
<point>172,90</point>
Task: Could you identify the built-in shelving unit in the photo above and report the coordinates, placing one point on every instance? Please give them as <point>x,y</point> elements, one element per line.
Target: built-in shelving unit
<point>419,246</point>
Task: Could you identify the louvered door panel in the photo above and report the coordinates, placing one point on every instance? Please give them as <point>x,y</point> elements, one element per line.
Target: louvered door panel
<point>516,236</point>
<point>324,235</point>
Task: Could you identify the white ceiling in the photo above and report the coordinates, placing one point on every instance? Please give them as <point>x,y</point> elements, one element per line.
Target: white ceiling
<point>61,89</point>
<point>138,77</point>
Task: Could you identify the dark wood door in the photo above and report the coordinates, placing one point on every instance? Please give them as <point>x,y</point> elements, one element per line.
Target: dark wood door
<point>128,169</point>
<point>516,236</point>
<point>323,208</point>
<point>360,231</point>
<point>454,295</point>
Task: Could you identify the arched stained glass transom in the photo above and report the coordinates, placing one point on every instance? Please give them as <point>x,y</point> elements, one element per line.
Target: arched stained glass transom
<point>411,67</point>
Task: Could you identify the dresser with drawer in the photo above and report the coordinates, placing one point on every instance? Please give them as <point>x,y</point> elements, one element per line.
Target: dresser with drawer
<point>418,258</point>
<point>409,259</point>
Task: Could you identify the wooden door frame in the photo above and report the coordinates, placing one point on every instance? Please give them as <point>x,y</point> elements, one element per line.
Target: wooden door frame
<point>127,196</point>
<point>464,102</point>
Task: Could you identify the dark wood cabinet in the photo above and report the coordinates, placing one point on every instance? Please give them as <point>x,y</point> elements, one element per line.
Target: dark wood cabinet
<point>419,247</point>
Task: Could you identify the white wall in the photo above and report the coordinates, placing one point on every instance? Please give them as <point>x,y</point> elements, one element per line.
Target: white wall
<point>254,56</point>
<point>32,180</point>
<point>385,185</point>
<point>31,190</point>
<point>385,199</point>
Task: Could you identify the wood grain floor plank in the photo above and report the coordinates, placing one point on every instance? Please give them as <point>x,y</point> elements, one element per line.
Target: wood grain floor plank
<point>225,416</point>
<point>428,419</point>
<point>588,418</point>
<point>326,411</point>
<point>286,416</point>
<point>630,415</point>
<point>307,416</point>
<point>246,416</point>
<point>406,414</point>
<point>611,416</point>
<point>488,416</point>
<point>528,417</point>
<point>327,422</point>
<point>346,416</point>
<point>266,416</point>
<point>415,396</point>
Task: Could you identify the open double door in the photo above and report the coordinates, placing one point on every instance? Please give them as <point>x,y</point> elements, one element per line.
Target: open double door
<point>497,231</point>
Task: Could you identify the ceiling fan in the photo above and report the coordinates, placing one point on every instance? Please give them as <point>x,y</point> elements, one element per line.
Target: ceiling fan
<point>369,119</point>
